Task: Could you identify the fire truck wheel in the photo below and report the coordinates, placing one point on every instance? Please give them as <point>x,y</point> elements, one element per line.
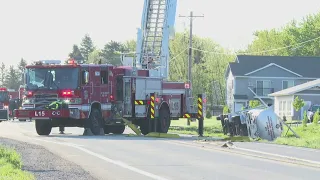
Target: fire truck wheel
<point>95,121</point>
<point>119,129</point>
<point>164,120</point>
<point>22,120</point>
<point>43,127</point>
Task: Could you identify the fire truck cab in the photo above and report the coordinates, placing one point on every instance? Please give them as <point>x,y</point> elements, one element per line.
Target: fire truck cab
<point>98,97</point>
<point>4,104</point>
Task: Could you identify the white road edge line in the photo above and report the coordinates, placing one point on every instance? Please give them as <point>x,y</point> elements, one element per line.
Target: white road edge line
<point>119,163</point>
<point>278,155</point>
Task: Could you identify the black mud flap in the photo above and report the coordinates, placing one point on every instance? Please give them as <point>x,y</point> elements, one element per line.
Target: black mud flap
<point>4,114</point>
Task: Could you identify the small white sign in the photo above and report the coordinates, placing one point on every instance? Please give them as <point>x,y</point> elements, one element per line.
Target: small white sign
<point>97,73</point>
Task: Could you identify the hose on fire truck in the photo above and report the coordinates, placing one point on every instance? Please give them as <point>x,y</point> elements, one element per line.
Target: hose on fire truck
<point>57,105</point>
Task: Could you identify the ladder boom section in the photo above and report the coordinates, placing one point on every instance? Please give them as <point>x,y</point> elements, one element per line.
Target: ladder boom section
<point>158,19</point>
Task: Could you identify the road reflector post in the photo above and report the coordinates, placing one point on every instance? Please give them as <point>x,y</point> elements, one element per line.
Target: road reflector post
<point>152,112</point>
<point>200,115</point>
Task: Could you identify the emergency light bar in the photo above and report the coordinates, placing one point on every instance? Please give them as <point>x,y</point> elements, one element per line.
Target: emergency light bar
<point>51,61</point>
<point>72,61</point>
<point>3,89</point>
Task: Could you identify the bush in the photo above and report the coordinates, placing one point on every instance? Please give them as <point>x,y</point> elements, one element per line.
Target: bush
<point>208,115</point>
<point>305,119</point>
<point>254,103</point>
<point>226,110</point>
<point>316,117</point>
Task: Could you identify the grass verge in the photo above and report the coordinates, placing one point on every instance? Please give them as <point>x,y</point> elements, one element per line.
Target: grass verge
<point>10,166</point>
<point>212,127</point>
<point>309,137</point>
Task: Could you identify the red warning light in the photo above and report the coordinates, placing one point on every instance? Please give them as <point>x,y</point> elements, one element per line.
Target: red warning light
<point>204,100</point>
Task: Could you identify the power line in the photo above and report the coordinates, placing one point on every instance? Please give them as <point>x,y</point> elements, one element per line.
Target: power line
<point>258,52</point>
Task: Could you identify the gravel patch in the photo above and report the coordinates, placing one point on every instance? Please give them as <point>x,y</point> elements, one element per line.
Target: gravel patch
<point>44,164</point>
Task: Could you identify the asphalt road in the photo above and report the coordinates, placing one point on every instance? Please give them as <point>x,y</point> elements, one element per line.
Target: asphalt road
<point>121,157</point>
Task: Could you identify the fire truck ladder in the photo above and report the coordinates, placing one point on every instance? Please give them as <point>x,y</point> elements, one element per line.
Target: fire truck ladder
<point>153,37</point>
<point>151,49</point>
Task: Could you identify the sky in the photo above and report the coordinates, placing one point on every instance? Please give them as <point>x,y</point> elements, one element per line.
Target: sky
<point>47,29</point>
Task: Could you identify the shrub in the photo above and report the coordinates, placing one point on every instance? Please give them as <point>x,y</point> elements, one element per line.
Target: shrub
<point>316,117</point>
<point>208,114</point>
<point>305,119</point>
<point>225,109</point>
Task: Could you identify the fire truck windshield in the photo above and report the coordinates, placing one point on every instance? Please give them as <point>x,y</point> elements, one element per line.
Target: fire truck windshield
<point>52,78</point>
<point>4,96</point>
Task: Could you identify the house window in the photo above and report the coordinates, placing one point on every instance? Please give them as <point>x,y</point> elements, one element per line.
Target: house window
<point>263,88</point>
<point>285,108</point>
<point>287,84</point>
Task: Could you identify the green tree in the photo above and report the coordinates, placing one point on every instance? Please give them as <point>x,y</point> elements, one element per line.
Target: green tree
<point>226,109</point>
<point>86,47</point>
<point>110,52</point>
<point>254,103</point>
<point>21,66</point>
<point>95,57</point>
<point>209,63</point>
<point>298,103</point>
<point>289,36</point>
<point>316,117</point>
<point>130,45</point>
<point>305,119</point>
<point>76,54</point>
<point>11,78</point>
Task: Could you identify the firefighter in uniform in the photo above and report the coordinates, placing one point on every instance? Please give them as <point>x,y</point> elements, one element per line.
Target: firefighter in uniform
<point>55,106</point>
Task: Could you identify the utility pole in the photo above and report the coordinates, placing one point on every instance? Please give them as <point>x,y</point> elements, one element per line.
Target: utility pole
<point>189,95</point>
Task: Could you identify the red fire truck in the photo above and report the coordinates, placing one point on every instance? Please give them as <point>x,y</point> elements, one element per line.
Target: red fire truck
<point>98,97</point>
<point>4,104</point>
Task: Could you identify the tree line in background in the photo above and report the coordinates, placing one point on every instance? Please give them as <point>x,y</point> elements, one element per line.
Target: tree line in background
<point>209,58</point>
<point>11,77</point>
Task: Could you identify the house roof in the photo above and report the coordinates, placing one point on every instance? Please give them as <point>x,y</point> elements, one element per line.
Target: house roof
<point>298,88</point>
<point>245,64</point>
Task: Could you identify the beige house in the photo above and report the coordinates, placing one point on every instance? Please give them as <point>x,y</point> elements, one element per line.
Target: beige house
<point>283,100</point>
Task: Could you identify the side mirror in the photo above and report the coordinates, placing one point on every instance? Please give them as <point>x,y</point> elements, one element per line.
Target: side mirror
<point>86,77</point>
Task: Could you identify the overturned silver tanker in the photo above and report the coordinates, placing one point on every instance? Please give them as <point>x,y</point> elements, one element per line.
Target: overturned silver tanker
<point>256,123</point>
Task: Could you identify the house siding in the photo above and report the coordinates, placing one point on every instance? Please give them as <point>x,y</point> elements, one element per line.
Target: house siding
<point>242,84</point>
<point>273,71</point>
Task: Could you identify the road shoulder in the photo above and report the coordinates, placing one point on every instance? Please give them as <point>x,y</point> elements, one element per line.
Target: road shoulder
<point>44,164</point>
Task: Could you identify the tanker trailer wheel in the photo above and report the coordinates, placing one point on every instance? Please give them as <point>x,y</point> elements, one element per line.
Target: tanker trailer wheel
<point>164,120</point>
<point>118,129</point>
<point>95,122</point>
<point>43,127</point>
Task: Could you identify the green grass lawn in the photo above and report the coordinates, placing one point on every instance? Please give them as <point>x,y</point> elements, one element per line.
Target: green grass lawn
<point>10,166</point>
<point>309,136</point>
<point>212,127</point>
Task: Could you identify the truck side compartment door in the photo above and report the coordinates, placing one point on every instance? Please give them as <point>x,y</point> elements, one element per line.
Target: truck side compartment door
<point>95,83</point>
<point>104,87</point>
<point>127,92</point>
<point>86,85</point>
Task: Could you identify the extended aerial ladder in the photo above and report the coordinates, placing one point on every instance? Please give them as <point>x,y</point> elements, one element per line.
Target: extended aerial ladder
<point>157,24</point>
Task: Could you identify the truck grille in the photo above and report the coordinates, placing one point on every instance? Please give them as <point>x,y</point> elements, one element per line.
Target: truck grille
<point>45,98</point>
